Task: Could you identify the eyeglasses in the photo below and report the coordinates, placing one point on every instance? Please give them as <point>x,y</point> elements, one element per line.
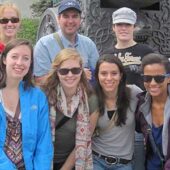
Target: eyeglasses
<point>6,20</point>
<point>65,71</point>
<point>157,78</point>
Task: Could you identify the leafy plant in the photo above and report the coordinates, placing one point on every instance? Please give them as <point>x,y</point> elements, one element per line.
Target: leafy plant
<point>29,29</point>
<point>39,7</point>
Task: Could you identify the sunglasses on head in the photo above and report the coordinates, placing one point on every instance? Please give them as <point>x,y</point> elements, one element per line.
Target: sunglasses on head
<point>65,71</point>
<point>6,20</point>
<point>157,78</point>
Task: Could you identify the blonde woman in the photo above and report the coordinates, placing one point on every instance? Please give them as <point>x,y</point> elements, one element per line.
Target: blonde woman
<point>73,106</point>
<point>10,21</point>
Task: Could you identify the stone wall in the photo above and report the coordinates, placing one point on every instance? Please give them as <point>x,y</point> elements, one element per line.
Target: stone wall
<point>153,25</point>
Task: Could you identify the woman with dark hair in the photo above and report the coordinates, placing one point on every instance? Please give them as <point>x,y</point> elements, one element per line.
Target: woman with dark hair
<point>153,113</point>
<point>113,144</point>
<point>73,110</point>
<point>25,140</point>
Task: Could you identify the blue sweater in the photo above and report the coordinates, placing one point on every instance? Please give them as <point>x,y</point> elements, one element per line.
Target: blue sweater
<point>36,134</point>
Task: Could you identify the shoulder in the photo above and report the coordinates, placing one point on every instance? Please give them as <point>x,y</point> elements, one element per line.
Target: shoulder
<point>134,90</point>
<point>32,92</point>
<point>92,97</point>
<point>84,38</point>
<point>146,48</point>
<point>45,40</point>
<point>93,102</point>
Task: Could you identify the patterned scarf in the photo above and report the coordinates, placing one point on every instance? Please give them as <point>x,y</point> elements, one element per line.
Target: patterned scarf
<point>83,152</point>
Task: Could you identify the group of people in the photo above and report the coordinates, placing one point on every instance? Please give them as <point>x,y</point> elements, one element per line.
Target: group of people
<point>70,123</point>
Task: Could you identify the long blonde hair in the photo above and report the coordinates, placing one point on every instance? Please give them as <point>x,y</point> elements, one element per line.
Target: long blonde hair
<point>9,5</point>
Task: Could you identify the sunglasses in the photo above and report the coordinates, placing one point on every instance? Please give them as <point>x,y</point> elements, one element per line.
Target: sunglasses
<point>157,78</point>
<point>6,20</point>
<point>65,71</point>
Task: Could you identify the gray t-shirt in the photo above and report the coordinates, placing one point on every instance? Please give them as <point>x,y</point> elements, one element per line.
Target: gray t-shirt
<point>118,140</point>
<point>65,136</point>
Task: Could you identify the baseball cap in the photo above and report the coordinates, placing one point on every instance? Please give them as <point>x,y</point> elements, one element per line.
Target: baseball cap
<point>124,15</point>
<point>67,4</point>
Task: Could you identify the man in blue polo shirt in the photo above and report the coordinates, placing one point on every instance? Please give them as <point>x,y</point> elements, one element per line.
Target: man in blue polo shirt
<point>46,49</point>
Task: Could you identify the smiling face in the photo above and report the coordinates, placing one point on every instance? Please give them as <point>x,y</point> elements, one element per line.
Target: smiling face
<point>156,89</point>
<point>69,22</point>
<point>70,81</point>
<point>109,77</point>
<point>9,30</point>
<point>18,61</point>
<point>123,32</point>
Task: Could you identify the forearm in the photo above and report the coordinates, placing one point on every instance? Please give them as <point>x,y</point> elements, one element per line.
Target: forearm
<point>39,80</point>
<point>70,162</point>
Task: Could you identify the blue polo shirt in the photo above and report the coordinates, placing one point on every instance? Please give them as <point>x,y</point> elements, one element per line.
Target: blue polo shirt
<point>47,48</point>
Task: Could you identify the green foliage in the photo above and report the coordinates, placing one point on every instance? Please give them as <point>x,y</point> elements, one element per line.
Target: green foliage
<point>39,7</point>
<point>29,29</point>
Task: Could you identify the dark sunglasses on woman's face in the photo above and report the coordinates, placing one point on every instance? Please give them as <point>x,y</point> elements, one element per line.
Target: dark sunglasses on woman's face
<point>6,20</point>
<point>65,71</point>
<point>157,78</point>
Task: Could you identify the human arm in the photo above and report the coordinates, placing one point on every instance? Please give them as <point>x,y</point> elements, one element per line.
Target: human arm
<point>5,162</point>
<point>88,73</point>
<point>93,55</point>
<point>167,165</point>
<point>39,80</point>
<point>42,58</point>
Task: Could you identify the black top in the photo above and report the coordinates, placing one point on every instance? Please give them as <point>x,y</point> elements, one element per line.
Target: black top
<point>131,58</point>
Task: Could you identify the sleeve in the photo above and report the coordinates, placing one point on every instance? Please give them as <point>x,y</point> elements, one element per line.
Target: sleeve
<point>148,50</point>
<point>44,147</point>
<point>5,162</point>
<point>94,55</point>
<point>42,60</point>
<point>137,119</point>
<point>167,165</point>
<point>93,103</point>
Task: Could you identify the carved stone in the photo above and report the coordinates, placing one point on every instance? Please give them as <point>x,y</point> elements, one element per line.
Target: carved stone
<point>153,26</point>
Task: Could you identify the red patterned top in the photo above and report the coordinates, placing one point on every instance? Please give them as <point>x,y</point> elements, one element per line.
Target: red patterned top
<point>13,142</point>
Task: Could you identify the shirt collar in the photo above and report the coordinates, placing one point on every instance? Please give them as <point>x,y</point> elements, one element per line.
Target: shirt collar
<point>66,42</point>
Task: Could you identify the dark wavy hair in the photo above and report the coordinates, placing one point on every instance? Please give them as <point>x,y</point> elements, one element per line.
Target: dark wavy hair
<point>123,91</point>
<point>3,75</point>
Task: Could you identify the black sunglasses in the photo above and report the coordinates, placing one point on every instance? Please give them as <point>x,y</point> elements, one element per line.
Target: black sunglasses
<point>157,78</point>
<point>65,71</point>
<point>6,20</point>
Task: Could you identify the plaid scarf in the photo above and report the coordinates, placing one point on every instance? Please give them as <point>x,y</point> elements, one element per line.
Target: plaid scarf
<point>83,152</point>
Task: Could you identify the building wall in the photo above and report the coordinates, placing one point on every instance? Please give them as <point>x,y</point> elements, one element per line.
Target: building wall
<point>23,5</point>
